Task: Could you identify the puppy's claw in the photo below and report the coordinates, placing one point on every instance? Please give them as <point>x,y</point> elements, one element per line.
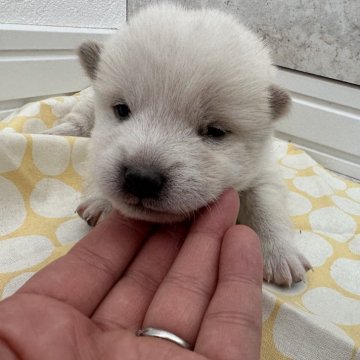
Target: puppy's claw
<point>93,211</point>
<point>286,266</point>
<point>92,220</point>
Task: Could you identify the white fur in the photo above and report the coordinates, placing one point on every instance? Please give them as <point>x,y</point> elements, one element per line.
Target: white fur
<point>179,70</point>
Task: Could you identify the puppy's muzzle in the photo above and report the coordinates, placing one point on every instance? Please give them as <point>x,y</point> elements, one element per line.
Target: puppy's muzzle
<point>143,182</point>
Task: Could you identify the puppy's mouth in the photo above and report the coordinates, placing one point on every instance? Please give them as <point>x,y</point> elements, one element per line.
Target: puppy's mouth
<point>140,206</point>
<point>142,210</point>
<point>142,193</point>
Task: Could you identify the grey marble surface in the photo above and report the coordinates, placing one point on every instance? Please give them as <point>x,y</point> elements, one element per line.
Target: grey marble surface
<point>319,37</point>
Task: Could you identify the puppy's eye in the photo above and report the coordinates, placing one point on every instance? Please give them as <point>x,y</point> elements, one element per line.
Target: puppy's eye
<point>122,111</point>
<point>213,132</point>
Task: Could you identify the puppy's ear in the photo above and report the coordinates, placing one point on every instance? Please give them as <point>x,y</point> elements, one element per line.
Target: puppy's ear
<point>89,54</point>
<point>280,102</point>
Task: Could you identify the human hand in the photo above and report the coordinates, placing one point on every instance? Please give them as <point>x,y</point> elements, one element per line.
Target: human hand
<point>201,282</point>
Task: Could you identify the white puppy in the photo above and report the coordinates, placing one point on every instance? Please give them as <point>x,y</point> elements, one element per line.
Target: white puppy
<point>182,106</point>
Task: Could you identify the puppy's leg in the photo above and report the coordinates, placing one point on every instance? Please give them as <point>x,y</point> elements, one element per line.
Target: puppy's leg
<point>94,210</point>
<point>80,120</point>
<point>93,207</point>
<point>263,207</point>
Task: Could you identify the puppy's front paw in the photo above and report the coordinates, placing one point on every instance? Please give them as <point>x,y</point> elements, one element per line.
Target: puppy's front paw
<point>284,265</point>
<point>63,129</point>
<point>93,210</point>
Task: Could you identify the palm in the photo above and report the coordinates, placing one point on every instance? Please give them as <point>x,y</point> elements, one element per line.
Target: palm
<point>72,335</point>
<point>125,276</point>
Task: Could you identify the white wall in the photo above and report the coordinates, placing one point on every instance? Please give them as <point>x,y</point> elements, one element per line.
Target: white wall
<point>74,13</point>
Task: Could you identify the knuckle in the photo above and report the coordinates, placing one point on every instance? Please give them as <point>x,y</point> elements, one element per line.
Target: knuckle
<point>241,279</point>
<point>235,318</point>
<point>207,233</point>
<point>143,279</point>
<point>189,283</point>
<point>94,260</point>
<point>108,324</point>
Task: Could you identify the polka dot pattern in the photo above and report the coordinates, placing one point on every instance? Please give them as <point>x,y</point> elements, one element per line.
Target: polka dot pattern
<point>14,145</point>
<point>312,186</point>
<point>316,249</point>
<point>15,283</point>
<point>323,301</point>
<point>332,181</point>
<point>23,251</point>
<point>52,198</point>
<point>78,156</point>
<point>349,206</point>
<point>312,336</point>
<point>298,161</point>
<point>40,184</point>
<point>298,204</point>
<point>56,148</point>
<point>354,245</point>
<point>72,230</point>
<point>35,126</point>
<point>354,193</point>
<point>340,270</point>
<point>12,209</point>
<point>333,222</point>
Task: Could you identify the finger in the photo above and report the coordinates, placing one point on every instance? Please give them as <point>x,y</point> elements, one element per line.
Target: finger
<point>126,304</point>
<point>183,296</point>
<point>231,328</point>
<point>84,276</point>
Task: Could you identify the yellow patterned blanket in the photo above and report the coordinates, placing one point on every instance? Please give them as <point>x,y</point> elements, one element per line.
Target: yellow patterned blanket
<point>40,184</point>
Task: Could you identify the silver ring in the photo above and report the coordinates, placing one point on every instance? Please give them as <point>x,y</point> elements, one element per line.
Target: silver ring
<point>163,334</point>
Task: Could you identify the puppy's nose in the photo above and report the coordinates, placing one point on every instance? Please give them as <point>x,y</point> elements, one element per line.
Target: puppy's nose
<point>144,183</point>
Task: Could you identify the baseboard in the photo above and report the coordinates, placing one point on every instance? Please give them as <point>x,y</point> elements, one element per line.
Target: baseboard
<point>38,61</point>
<point>325,120</point>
